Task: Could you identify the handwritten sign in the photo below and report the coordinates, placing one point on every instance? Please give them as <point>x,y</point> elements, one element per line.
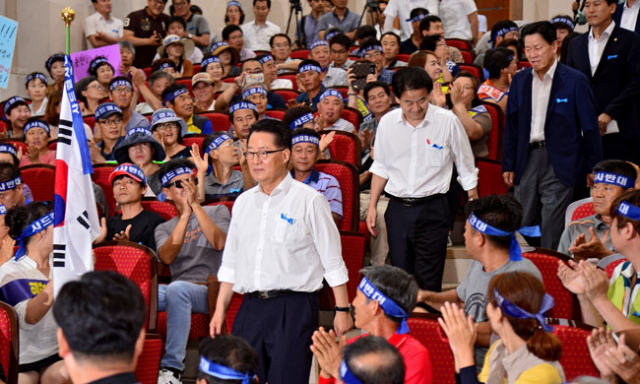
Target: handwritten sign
<point>8,33</point>
<point>82,59</point>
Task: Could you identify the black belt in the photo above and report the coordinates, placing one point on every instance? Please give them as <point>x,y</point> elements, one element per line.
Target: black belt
<point>538,144</point>
<point>269,294</point>
<point>412,201</point>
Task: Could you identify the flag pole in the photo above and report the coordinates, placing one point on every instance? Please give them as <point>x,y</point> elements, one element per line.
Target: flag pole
<point>68,15</point>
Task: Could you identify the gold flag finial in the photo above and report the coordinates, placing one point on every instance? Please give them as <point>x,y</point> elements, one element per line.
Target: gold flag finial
<point>68,14</point>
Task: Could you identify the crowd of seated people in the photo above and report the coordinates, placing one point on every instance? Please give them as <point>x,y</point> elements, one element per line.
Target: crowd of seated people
<point>410,103</point>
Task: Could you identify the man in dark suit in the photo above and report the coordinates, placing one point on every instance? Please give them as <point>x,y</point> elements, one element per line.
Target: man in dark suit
<point>551,138</point>
<point>608,56</point>
<point>626,15</point>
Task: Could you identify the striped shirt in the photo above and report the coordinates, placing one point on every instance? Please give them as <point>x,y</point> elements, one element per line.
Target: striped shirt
<point>329,187</point>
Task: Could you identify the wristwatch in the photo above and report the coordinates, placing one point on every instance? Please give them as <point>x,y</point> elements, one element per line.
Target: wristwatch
<point>190,36</point>
<point>343,309</point>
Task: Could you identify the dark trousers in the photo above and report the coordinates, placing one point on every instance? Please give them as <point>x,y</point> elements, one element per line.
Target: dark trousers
<point>454,195</point>
<point>280,330</point>
<point>543,197</point>
<point>418,239</point>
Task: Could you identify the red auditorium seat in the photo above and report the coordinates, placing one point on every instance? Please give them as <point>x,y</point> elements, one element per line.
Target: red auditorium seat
<point>301,54</point>
<point>100,176</point>
<point>353,116</point>
<point>9,342</point>
<point>53,144</point>
<point>345,147</point>
<point>347,176</point>
<point>149,360</point>
<point>166,209</point>
<point>41,179</point>
<point>353,255</point>
<point>403,57</point>
<point>475,70</point>
<point>576,360</point>
<point>467,56</point>
<point>426,329</point>
<point>524,64</point>
<point>287,94</point>
<point>220,121</point>
<point>460,44</point>
<point>583,211</point>
<point>186,81</point>
<point>494,141</point>
<point>490,181</point>
<point>276,113</point>
<point>196,138</point>
<point>90,120</point>
<point>547,263</point>
<point>3,126</point>
<point>137,263</point>
<point>344,91</point>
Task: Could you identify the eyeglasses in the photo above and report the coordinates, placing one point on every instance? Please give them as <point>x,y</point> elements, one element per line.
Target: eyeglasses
<point>263,155</point>
<point>97,87</point>
<point>178,183</point>
<point>122,90</point>
<point>371,55</point>
<point>107,123</point>
<point>165,126</point>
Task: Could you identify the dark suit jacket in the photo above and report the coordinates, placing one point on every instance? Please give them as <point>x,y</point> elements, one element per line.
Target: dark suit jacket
<point>617,17</point>
<point>571,127</point>
<point>616,82</point>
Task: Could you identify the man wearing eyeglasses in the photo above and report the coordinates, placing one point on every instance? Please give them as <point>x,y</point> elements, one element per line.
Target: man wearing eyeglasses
<point>191,245</point>
<point>121,93</point>
<point>281,244</point>
<point>109,126</point>
<point>372,50</point>
<point>197,26</point>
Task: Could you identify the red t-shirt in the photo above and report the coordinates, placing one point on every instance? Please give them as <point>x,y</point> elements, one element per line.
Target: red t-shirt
<point>416,359</point>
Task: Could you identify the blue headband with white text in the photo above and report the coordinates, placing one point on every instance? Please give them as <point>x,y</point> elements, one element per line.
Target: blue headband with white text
<point>172,95</point>
<point>167,177</point>
<point>33,228</point>
<point>11,101</point>
<point>502,32</point>
<point>367,48</point>
<point>120,83</point>
<point>266,59</point>
<point>318,43</point>
<point>236,3</point>
<point>302,120</point>
<point>515,253</point>
<point>209,60</point>
<point>35,75</point>
<point>224,373</point>
<point>309,67</point>
<point>253,91</point>
<point>10,184</point>
<point>242,105</point>
<point>629,211</point>
<point>8,148</point>
<point>329,93</point>
<point>218,141</point>
<point>512,310</point>
<point>297,139</point>
<point>614,179</point>
<point>388,306</point>
<point>569,23</point>
<point>97,62</point>
<point>346,375</point>
<point>36,124</point>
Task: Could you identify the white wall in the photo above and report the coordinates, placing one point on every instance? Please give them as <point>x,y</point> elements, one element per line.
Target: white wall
<point>41,30</point>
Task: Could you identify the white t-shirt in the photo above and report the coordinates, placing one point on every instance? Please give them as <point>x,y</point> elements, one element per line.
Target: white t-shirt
<point>20,281</point>
<point>454,18</point>
<point>96,22</point>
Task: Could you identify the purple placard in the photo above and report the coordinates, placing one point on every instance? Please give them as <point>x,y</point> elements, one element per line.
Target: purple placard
<point>82,59</point>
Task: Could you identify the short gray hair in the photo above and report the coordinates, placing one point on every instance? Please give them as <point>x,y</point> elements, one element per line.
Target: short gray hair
<point>157,75</point>
<point>123,44</point>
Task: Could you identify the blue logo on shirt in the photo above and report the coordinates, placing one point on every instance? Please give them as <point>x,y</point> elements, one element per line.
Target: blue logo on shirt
<point>612,57</point>
<point>562,100</point>
<point>287,219</point>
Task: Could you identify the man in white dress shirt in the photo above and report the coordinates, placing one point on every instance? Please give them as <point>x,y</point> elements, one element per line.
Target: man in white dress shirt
<point>402,9</point>
<point>100,28</point>
<point>258,32</point>
<point>416,147</point>
<point>282,242</point>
